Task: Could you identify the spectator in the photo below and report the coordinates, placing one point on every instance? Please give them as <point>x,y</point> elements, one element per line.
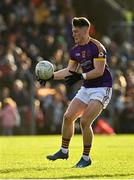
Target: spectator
<point>9,116</point>
<point>22,99</point>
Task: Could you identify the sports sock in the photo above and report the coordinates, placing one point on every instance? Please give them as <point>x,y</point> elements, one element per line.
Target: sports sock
<point>65,144</point>
<point>64,150</point>
<point>86,158</point>
<point>86,151</point>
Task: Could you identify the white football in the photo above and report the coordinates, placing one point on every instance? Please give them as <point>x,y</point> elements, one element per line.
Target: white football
<point>44,70</point>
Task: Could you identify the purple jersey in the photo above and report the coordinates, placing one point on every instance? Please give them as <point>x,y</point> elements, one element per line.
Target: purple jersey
<point>85,55</point>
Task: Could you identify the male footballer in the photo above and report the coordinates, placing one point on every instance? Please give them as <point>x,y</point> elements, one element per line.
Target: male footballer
<point>94,94</point>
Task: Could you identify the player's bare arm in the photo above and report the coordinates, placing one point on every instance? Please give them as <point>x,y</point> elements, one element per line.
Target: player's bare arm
<point>72,66</point>
<point>99,66</point>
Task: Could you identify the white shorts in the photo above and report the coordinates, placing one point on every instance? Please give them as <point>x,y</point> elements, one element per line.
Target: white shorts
<point>102,94</point>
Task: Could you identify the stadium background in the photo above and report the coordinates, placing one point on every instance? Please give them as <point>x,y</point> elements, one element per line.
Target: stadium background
<point>31,30</point>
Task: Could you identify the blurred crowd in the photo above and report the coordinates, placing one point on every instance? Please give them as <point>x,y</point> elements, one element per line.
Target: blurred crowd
<point>32,30</point>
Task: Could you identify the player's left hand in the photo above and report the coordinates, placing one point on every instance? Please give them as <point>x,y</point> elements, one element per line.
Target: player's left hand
<point>73,78</point>
<point>42,81</point>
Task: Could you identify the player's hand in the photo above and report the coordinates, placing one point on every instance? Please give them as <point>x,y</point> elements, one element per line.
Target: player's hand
<point>73,78</point>
<point>42,81</point>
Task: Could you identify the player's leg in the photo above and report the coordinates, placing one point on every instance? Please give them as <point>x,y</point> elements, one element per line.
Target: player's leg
<point>74,110</point>
<point>92,111</point>
<point>98,99</point>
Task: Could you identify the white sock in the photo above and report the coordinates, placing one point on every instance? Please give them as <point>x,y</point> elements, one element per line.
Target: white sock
<point>64,150</point>
<point>86,158</point>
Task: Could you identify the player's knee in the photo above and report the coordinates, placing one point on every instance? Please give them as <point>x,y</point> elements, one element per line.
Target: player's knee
<point>68,118</point>
<point>85,122</point>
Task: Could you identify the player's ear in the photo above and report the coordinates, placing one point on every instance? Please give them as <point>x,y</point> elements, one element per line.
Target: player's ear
<point>85,29</point>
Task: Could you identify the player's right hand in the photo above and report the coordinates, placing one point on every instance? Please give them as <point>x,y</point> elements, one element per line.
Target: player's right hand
<point>73,78</point>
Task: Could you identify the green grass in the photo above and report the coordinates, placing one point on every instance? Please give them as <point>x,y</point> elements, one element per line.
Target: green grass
<point>24,157</point>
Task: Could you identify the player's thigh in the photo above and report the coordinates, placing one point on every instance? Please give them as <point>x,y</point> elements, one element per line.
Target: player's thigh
<point>91,112</point>
<point>75,109</point>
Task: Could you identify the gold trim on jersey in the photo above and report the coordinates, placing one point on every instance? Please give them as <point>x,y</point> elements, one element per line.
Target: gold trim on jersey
<point>72,61</point>
<point>100,59</point>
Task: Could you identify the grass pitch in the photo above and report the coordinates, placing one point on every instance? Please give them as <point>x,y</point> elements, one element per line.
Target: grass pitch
<point>25,157</point>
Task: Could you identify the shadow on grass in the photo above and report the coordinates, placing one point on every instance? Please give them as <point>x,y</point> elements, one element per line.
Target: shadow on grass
<point>6,171</point>
<point>97,176</point>
<point>11,170</point>
<point>119,175</point>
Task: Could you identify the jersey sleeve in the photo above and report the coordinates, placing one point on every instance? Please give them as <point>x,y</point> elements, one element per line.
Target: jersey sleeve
<point>72,55</point>
<point>99,53</point>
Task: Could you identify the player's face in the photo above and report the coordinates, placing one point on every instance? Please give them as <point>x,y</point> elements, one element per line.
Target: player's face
<point>79,34</point>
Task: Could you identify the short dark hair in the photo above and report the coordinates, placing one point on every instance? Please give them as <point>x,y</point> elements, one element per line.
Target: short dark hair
<point>80,22</point>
